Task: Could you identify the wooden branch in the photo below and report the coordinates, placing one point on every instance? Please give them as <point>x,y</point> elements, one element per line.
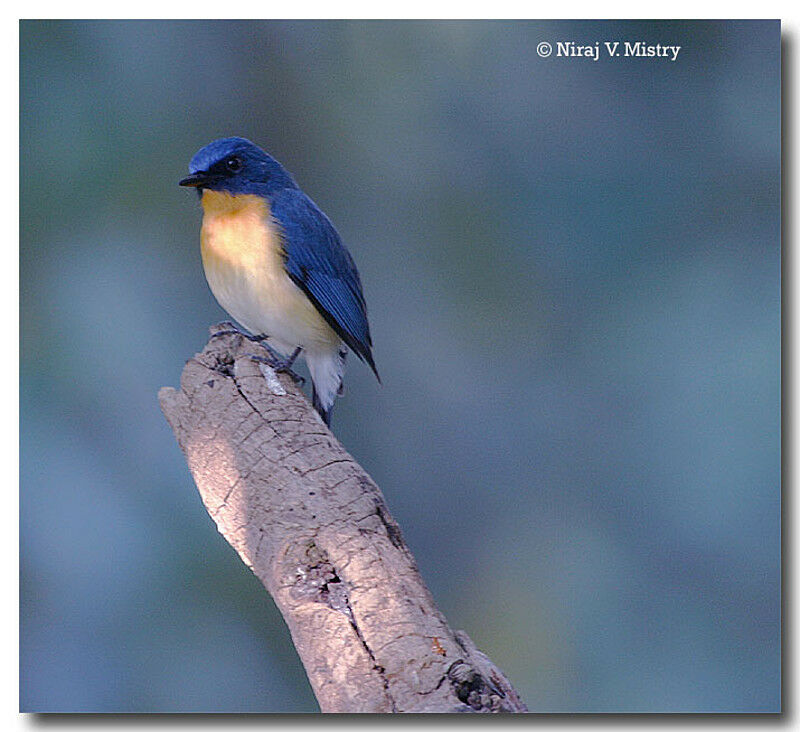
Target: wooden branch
<point>314,527</point>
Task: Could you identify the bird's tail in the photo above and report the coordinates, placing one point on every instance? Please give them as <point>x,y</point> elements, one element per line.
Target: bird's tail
<point>326,371</point>
<point>317,402</point>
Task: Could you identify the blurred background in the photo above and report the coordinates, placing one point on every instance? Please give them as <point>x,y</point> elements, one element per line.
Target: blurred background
<point>573,274</point>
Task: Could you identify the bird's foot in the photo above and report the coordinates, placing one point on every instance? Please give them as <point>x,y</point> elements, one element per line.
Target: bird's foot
<point>281,365</point>
<point>228,328</point>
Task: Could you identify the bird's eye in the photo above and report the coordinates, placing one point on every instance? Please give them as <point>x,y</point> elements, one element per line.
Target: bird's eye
<point>233,164</point>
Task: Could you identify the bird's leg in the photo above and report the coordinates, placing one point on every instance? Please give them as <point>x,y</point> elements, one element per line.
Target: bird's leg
<point>274,360</point>
<point>281,365</point>
<point>229,328</point>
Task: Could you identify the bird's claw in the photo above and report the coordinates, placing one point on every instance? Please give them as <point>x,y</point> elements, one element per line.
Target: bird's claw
<point>273,360</point>
<point>278,364</point>
<point>228,328</point>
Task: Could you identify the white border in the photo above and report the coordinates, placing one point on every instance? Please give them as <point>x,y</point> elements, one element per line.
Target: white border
<point>9,272</point>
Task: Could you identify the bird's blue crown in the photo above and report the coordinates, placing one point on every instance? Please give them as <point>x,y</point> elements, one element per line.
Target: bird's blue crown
<point>237,166</point>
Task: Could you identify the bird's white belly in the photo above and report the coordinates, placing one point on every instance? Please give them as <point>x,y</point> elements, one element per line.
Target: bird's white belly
<point>243,262</point>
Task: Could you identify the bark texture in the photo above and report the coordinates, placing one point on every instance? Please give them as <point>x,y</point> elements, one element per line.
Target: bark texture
<point>314,527</point>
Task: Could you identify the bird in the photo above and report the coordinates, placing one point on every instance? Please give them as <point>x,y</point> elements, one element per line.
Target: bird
<point>275,262</point>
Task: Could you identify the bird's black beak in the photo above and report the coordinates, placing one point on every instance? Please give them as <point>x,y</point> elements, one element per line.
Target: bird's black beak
<point>195,180</point>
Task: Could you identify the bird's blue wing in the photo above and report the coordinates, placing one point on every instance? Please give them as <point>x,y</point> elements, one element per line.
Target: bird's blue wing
<point>319,264</point>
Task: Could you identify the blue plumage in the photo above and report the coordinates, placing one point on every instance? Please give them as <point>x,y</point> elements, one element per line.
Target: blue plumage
<point>321,266</point>
<point>258,174</point>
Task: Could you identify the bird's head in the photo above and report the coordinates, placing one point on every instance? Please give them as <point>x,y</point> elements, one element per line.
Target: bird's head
<point>236,166</point>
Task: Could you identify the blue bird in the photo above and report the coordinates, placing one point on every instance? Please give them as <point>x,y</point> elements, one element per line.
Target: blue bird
<point>277,265</point>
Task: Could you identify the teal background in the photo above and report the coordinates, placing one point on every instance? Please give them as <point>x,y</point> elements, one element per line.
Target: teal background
<point>573,274</point>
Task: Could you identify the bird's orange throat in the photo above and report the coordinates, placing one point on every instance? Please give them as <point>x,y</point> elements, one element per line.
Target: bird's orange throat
<point>238,231</point>
<point>220,203</point>
<point>243,258</point>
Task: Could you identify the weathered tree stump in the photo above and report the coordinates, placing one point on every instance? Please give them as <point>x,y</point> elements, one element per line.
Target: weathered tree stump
<point>314,527</point>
